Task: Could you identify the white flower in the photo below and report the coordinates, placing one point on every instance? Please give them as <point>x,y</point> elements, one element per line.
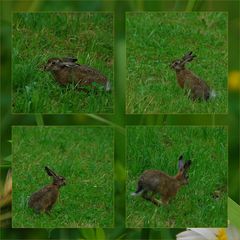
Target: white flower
<point>230,233</point>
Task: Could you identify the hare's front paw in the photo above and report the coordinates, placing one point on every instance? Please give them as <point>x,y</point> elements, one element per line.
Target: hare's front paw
<point>157,202</point>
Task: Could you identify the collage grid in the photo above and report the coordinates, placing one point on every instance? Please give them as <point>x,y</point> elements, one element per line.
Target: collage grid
<point>121,121</point>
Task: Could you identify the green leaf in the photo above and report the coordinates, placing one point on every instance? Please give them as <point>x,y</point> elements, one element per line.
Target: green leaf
<point>190,5</point>
<point>39,119</point>
<point>88,233</point>
<point>100,234</point>
<point>234,213</point>
<point>8,158</point>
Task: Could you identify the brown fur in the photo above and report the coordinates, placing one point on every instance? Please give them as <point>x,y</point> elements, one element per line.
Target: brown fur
<point>198,88</point>
<point>44,199</point>
<point>66,71</point>
<point>155,181</point>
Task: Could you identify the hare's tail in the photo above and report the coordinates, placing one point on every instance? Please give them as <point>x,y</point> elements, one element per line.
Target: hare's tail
<point>138,192</point>
<point>212,94</point>
<point>108,87</point>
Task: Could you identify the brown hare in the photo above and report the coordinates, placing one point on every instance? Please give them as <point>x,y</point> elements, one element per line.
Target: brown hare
<point>66,70</point>
<point>198,88</point>
<point>44,199</point>
<point>155,181</point>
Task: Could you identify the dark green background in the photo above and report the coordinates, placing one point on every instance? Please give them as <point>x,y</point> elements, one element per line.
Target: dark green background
<point>119,119</point>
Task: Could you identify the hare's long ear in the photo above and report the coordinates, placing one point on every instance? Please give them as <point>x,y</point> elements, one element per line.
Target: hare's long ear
<point>65,64</point>
<point>50,172</point>
<point>69,59</point>
<point>187,55</point>
<point>180,163</point>
<point>187,58</point>
<point>187,165</point>
<point>69,64</point>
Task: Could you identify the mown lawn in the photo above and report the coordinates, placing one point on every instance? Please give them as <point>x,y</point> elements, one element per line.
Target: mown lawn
<point>40,36</point>
<point>83,155</point>
<point>154,40</point>
<point>203,202</point>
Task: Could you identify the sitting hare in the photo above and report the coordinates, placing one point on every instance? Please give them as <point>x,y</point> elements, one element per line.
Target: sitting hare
<point>44,199</point>
<point>198,89</point>
<point>66,70</point>
<point>155,181</point>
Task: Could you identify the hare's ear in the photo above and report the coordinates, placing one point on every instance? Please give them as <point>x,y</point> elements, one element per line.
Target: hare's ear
<point>187,58</point>
<point>69,59</point>
<point>187,55</point>
<point>63,64</point>
<point>187,164</point>
<point>50,172</point>
<point>69,64</point>
<point>180,163</point>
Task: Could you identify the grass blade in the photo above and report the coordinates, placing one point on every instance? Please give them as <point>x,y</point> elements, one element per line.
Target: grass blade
<point>39,119</point>
<point>234,213</point>
<point>190,5</point>
<point>100,234</point>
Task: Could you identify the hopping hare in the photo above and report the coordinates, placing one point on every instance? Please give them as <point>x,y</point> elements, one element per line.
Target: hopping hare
<point>44,199</point>
<point>155,181</point>
<point>66,70</point>
<point>198,89</point>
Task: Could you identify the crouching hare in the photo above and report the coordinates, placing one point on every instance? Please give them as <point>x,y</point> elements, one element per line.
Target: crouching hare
<point>198,88</point>
<point>66,70</point>
<point>44,199</point>
<point>155,181</point>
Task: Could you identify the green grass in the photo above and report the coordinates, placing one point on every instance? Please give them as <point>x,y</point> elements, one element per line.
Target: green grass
<point>84,156</point>
<point>194,205</point>
<point>151,84</point>
<point>40,36</point>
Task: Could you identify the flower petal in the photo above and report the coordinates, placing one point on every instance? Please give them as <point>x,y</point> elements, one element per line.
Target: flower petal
<point>198,234</point>
<point>233,233</point>
<point>189,235</point>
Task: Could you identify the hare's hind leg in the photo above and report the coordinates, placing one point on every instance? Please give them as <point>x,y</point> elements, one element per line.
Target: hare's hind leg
<point>155,201</point>
<point>37,210</point>
<point>151,198</point>
<point>48,209</point>
<point>165,199</point>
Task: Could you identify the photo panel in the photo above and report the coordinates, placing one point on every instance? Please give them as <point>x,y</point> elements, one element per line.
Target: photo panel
<point>177,62</point>
<point>62,177</point>
<point>62,62</point>
<point>176,177</point>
